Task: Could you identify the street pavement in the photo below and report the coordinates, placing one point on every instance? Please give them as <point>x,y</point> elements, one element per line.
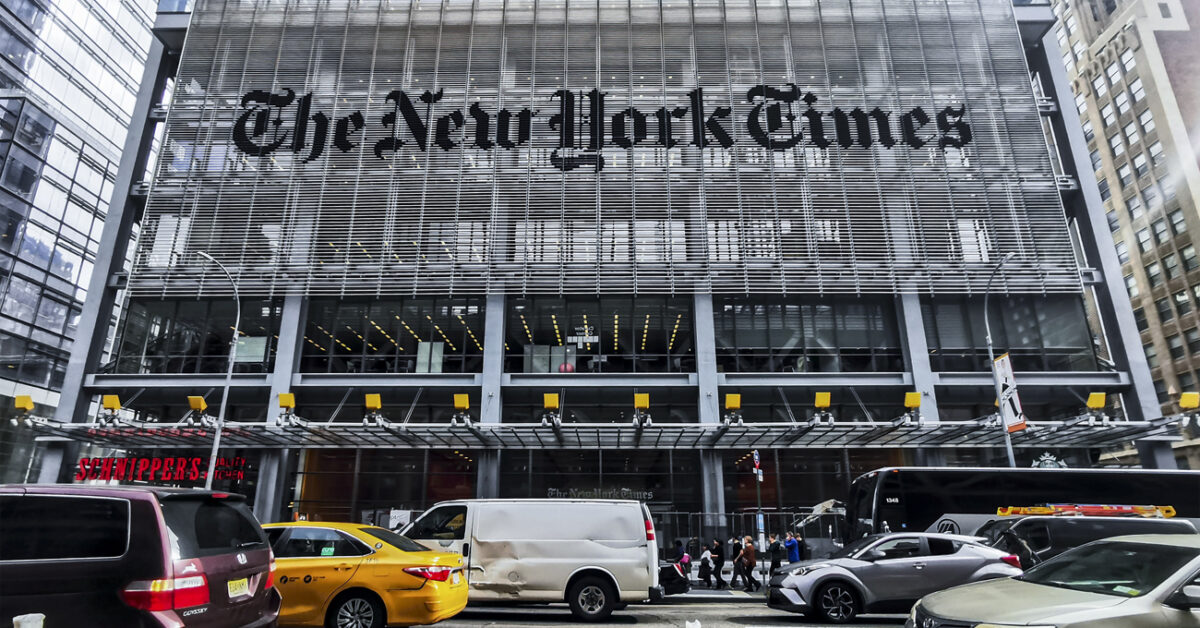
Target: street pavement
<point>676,611</point>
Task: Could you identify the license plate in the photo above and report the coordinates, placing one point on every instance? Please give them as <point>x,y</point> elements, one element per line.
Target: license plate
<point>455,578</point>
<point>238,588</point>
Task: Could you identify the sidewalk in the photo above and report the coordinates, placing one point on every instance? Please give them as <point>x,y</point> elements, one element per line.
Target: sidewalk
<point>702,594</point>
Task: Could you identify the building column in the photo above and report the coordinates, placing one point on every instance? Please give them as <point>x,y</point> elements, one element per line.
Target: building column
<point>916,354</point>
<point>712,492</point>
<point>92,333</point>
<point>1122,336</point>
<point>272,477</point>
<point>487,481</point>
<point>706,360</point>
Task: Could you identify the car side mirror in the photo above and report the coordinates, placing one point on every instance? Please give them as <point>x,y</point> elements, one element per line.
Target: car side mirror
<point>874,555</point>
<point>1186,598</point>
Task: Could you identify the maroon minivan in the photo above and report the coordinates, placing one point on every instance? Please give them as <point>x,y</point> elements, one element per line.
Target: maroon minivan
<point>134,557</point>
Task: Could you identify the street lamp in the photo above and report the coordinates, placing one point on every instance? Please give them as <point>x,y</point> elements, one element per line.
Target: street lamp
<point>987,326</point>
<point>237,323</point>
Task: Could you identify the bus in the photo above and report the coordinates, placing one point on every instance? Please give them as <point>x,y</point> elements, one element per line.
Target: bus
<point>895,499</point>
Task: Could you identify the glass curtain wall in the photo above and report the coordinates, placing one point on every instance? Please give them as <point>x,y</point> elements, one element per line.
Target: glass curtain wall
<point>600,405</point>
<point>807,334</point>
<point>1041,333</point>
<point>415,335</point>
<point>665,479</point>
<point>644,334</point>
<point>192,336</point>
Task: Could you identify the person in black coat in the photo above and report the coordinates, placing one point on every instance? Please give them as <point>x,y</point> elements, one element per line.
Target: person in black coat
<point>735,550</point>
<point>718,559</point>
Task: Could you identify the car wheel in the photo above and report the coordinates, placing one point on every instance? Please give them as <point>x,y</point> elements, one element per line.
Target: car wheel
<point>592,599</point>
<point>356,610</point>
<point>836,603</point>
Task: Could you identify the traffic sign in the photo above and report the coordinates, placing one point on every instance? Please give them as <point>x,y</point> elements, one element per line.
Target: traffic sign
<point>756,459</point>
<point>1010,402</point>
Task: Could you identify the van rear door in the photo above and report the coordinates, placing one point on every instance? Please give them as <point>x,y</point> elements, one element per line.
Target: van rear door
<point>217,543</point>
<point>651,546</point>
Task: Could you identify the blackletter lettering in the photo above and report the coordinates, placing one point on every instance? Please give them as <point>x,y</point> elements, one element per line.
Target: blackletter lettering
<point>816,130</point>
<point>342,131</point>
<point>262,119</point>
<point>862,128</point>
<point>564,120</point>
<point>701,126</point>
<point>618,128</point>
<point>775,115</point>
<point>320,130</point>
<point>482,122</point>
<point>524,127</point>
<point>912,122</point>
<point>957,124</point>
<point>442,130</point>
<point>596,119</point>
<point>664,115</point>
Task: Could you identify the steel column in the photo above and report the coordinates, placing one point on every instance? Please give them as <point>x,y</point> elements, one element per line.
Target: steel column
<point>268,495</point>
<point>916,354</point>
<point>706,362</point>
<point>487,481</point>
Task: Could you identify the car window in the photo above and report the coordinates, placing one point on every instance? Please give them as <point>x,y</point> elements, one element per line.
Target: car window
<point>1119,568</point>
<point>903,547</point>
<point>273,536</point>
<point>942,547</point>
<point>319,543</point>
<point>206,526</point>
<point>446,523</point>
<point>1038,537</point>
<point>50,527</point>
<point>395,540</point>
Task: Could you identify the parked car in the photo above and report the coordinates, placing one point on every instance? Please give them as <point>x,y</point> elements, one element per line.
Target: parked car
<point>596,555</point>
<point>349,575</point>
<point>885,573</point>
<point>124,557</point>
<point>1148,581</point>
<point>672,577</point>
<point>1048,536</point>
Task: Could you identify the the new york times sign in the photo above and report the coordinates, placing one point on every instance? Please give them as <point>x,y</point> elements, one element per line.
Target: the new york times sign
<point>781,118</point>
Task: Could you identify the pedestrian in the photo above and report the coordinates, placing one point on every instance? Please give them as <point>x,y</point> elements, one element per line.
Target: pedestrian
<point>718,562</point>
<point>706,565</point>
<point>749,560</point>
<point>678,550</point>
<point>793,548</point>
<point>685,562</point>
<point>735,554</point>
<point>776,551</point>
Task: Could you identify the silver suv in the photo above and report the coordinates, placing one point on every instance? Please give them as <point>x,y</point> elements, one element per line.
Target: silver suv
<point>1147,581</point>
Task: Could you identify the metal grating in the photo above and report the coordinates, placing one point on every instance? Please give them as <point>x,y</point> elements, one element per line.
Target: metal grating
<point>603,146</point>
<point>836,435</point>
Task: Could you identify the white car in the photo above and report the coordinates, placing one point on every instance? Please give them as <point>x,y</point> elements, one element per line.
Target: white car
<point>1145,581</point>
<point>596,555</point>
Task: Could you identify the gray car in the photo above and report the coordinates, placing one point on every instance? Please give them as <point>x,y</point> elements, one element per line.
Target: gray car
<point>885,573</point>
<point>1146,581</point>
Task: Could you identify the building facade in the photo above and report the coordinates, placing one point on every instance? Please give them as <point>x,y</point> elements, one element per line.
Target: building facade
<point>1134,76</point>
<point>69,75</point>
<point>563,248</point>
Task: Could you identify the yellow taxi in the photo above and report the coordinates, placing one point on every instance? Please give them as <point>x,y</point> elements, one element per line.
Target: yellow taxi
<point>350,575</point>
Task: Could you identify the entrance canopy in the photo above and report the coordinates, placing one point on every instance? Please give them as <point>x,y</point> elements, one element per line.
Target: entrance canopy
<point>1084,431</point>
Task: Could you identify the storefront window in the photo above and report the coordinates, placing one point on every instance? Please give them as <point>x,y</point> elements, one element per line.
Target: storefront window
<point>193,336</point>
<point>664,479</point>
<point>417,335</point>
<point>599,335</point>
<point>807,334</point>
<point>1040,332</point>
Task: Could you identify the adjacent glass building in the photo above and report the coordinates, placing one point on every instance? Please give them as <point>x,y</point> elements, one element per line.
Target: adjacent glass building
<point>69,75</point>
<point>530,226</point>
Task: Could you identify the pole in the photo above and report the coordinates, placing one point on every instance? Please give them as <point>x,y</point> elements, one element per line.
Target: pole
<point>987,326</point>
<point>758,517</point>
<point>237,323</point>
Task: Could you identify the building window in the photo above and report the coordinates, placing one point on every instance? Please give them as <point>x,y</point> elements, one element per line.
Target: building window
<point>1060,34</point>
<point>1122,102</point>
<point>1105,190</point>
<point>1160,389</point>
<point>1165,10</point>
<point>1096,163</point>
<point>1114,142</point>
<point>190,336</point>
<point>806,334</point>
<point>1089,133</point>
<point>1193,339</point>
<point>1131,133</point>
<point>1151,197</point>
<point>1072,24</point>
<point>1165,313</point>
<point>1125,173</point>
<point>1175,346</point>
<point>1147,120</point>
<point>1122,252</point>
<point>1186,381</point>
<point>1161,232</point>
<point>1156,153</point>
<point>1196,291</point>
<point>1134,205</point>
<point>1137,91</point>
<point>1171,264</point>
<point>1081,105</point>
<point>1109,114</point>
<point>1154,274</point>
<point>1168,187</point>
<point>1099,86</point>
<point>1139,317</point>
<point>1131,285</point>
<point>1151,355</point>
<point>1145,242</point>
<point>1189,257</point>
<point>1183,304</point>
<point>1141,165</point>
<point>1127,60</point>
<point>1113,72</point>
<point>1114,223</point>
<point>1178,222</point>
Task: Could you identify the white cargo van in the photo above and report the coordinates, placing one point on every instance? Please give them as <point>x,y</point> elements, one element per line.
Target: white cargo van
<point>596,555</point>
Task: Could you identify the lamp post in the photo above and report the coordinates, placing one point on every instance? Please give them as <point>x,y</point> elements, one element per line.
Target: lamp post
<point>237,323</point>
<point>987,326</point>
